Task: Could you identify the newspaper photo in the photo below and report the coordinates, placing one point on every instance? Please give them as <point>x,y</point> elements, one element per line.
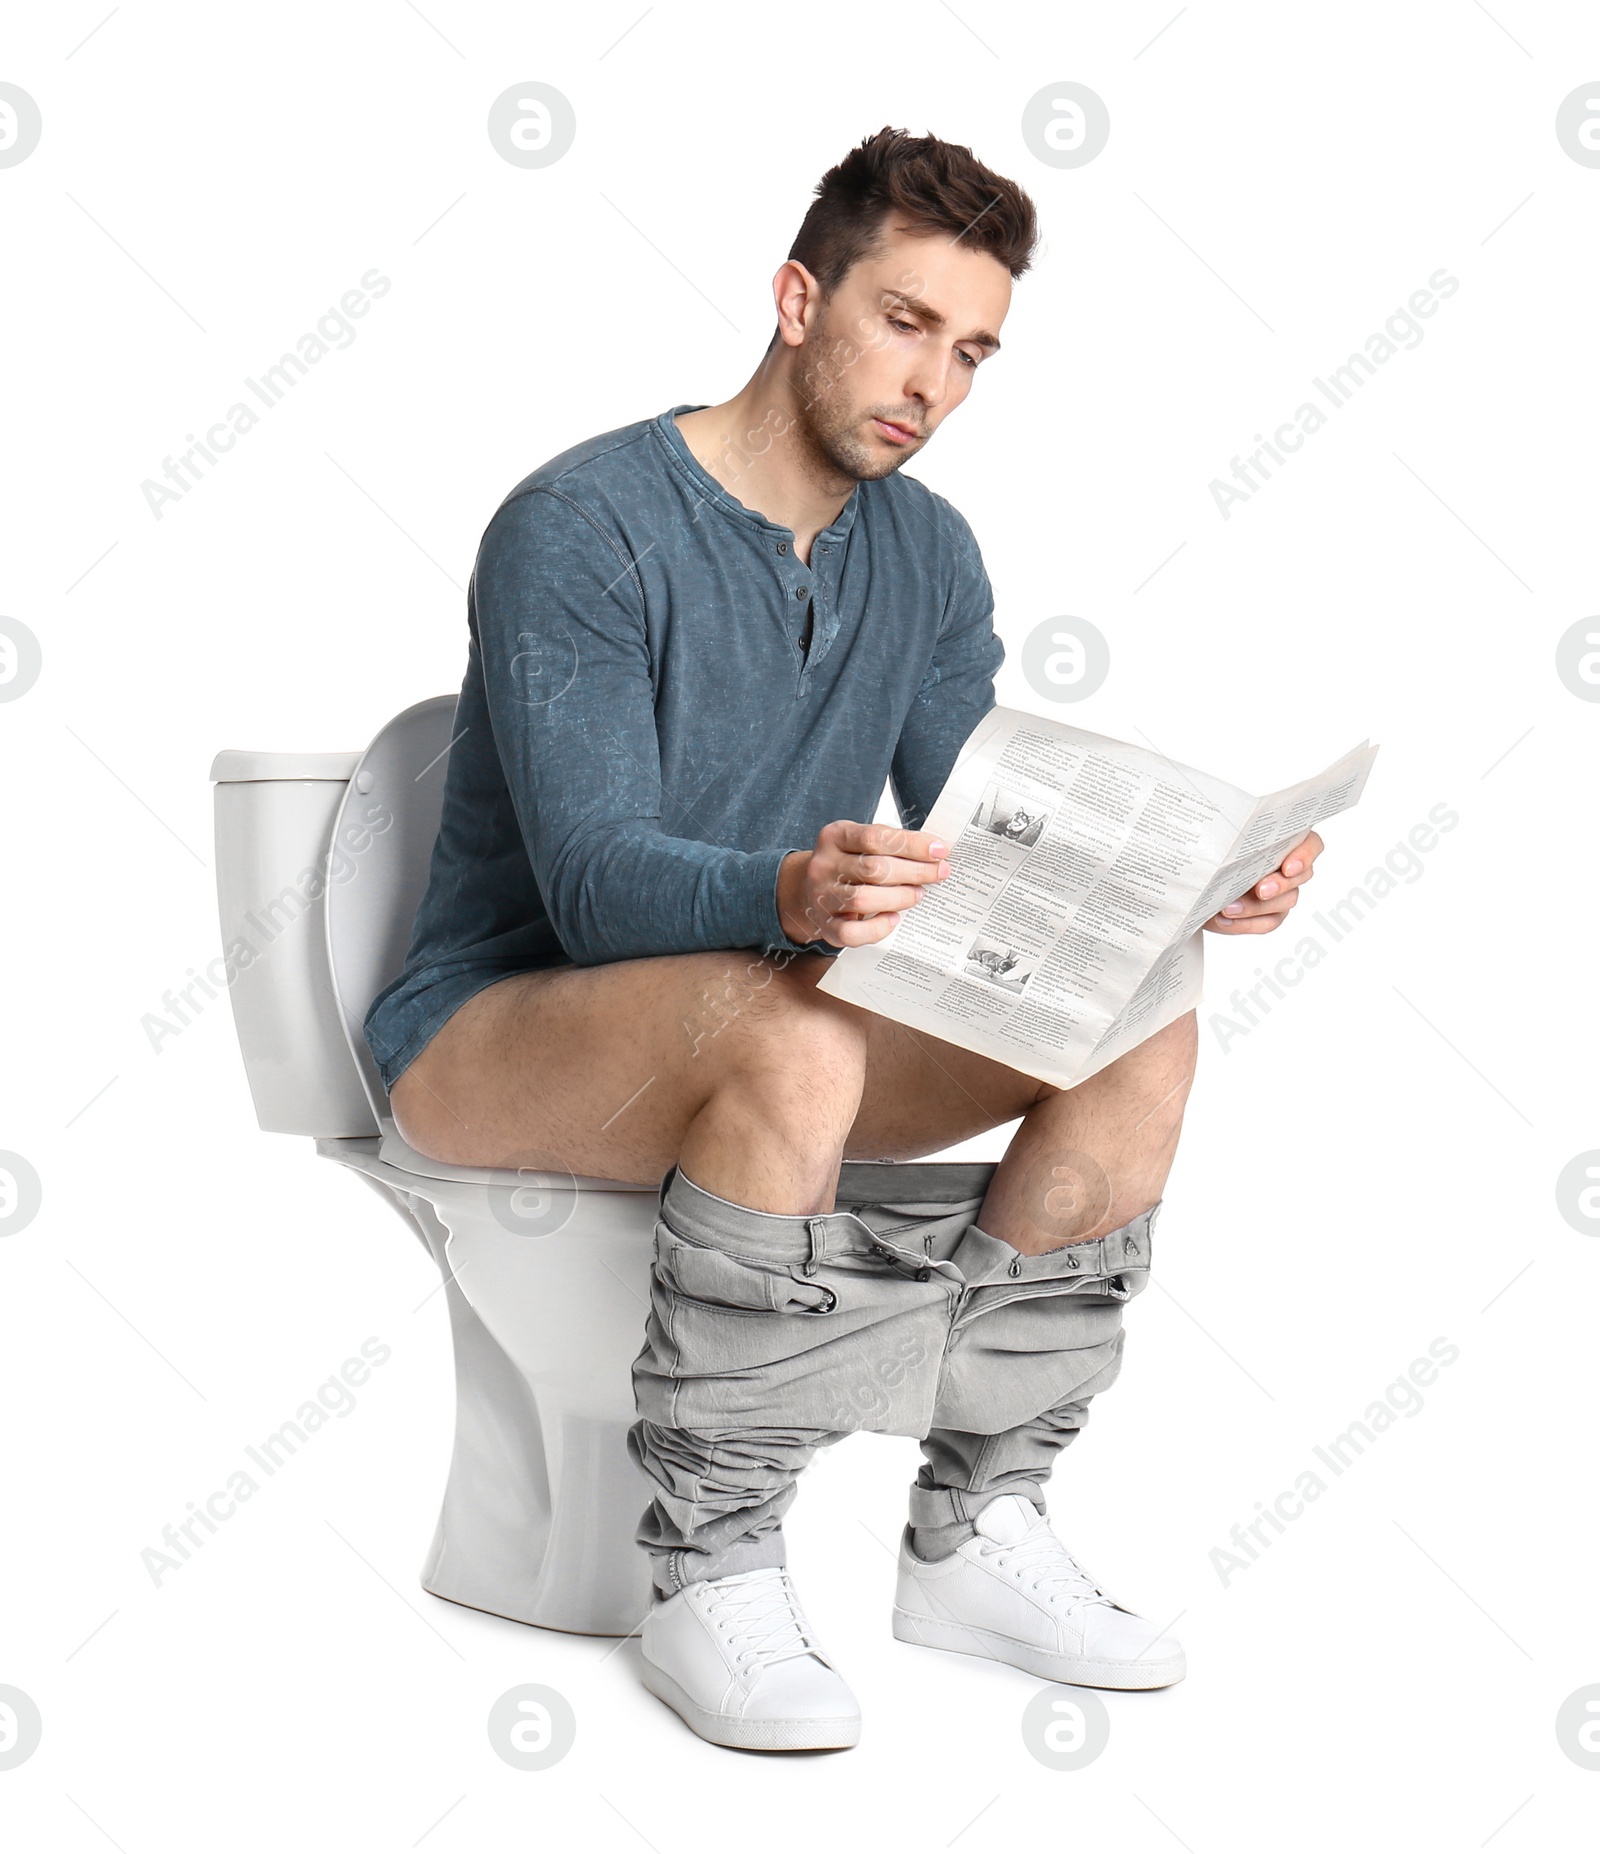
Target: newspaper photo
<point>1081,872</point>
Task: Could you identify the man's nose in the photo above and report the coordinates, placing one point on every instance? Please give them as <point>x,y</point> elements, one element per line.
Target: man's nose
<point>928,381</point>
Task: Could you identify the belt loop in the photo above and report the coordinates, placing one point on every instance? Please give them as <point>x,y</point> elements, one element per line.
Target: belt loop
<point>816,1245</point>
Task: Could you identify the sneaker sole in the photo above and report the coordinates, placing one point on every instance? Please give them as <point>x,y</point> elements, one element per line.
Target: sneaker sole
<point>720,1728</point>
<point>961,1638</point>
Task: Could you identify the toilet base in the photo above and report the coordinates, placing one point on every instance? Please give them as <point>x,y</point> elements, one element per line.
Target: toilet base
<point>542,1500</point>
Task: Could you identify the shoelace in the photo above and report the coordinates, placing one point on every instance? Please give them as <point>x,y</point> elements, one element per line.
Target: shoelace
<point>762,1614</point>
<point>1058,1573</point>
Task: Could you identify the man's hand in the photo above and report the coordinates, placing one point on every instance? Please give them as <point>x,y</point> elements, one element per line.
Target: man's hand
<point>1267,905</point>
<point>852,888</point>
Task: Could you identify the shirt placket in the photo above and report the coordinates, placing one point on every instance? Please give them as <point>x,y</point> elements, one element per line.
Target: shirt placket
<point>795,582</point>
<point>808,589</point>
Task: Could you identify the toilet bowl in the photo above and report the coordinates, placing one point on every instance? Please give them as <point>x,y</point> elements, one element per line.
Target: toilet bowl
<point>322,859</point>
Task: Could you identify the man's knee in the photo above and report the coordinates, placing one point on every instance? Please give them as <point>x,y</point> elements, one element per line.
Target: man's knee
<point>1176,1045</point>
<point>1165,1057</point>
<point>790,1043</point>
<point>1172,1068</point>
<point>794,1029</point>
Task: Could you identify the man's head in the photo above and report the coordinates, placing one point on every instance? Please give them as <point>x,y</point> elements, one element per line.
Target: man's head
<point>893,295</point>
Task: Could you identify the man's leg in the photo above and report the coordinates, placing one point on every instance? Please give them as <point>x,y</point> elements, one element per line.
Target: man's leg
<point>1084,1161</point>
<point>1084,1173</point>
<point>727,1064</point>
<point>1038,1334</point>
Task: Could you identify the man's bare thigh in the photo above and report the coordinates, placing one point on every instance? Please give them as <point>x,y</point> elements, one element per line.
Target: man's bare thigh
<point>600,1070</point>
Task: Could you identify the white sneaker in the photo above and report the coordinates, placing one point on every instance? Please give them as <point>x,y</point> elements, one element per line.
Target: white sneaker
<point>737,1661</point>
<point>1015,1593</point>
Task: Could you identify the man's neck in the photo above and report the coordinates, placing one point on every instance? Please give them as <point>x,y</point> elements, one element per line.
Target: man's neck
<point>779,476</point>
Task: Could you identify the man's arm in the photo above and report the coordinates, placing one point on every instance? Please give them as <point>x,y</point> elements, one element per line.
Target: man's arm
<point>566,667</point>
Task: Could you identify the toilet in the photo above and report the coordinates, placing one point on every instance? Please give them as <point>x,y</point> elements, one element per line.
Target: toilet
<point>321,861</point>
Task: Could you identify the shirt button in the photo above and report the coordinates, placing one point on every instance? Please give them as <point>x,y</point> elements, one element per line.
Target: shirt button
<point>783,547</point>
<point>800,592</point>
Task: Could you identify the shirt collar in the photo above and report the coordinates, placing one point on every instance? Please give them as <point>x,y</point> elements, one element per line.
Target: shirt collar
<point>710,490</point>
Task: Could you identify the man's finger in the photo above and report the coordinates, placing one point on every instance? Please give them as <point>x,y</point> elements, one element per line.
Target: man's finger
<point>888,871</point>
<point>1251,905</point>
<point>1259,923</point>
<point>1299,860</point>
<point>1248,907</point>
<point>868,899</point>
<point>852,930</point>
<point>1277,883</point>
<point>887,840</point>
<point>1271,891</point>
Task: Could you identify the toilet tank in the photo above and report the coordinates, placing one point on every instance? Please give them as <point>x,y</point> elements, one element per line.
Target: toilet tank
<point>275,816</point>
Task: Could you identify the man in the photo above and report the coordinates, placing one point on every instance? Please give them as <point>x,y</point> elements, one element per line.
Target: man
<point>700,646</point>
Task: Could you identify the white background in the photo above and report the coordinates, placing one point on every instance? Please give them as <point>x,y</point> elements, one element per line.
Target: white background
<point>1370,1168</point>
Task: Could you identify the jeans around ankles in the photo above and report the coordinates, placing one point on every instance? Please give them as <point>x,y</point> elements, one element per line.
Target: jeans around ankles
<point>771,1336</point>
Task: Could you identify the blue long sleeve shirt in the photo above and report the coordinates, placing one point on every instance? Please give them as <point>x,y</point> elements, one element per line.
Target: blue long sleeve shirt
<point>662,700</point>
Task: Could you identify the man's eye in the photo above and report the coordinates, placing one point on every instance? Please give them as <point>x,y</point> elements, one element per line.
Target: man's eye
<point>966,357</point>
<point>909,327</point>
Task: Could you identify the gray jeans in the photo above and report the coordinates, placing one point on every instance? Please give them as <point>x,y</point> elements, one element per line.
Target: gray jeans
<point>772,1336</point>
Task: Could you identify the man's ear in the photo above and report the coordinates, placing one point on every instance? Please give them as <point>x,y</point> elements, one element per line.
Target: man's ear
<point>796,295</point>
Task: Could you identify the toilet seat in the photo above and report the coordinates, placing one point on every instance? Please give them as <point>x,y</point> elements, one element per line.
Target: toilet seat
<point>393,1151</point>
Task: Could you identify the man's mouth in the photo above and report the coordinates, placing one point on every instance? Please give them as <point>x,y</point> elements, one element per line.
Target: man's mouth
<point>896,434</point>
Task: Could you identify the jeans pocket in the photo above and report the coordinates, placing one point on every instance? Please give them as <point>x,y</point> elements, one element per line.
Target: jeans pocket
<point>736,1284</point>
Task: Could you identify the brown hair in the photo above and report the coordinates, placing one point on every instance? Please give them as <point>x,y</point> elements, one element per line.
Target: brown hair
<point>931,186</point>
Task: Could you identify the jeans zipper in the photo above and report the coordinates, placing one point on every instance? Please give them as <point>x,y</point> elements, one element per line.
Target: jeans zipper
<point>1043,1290</point>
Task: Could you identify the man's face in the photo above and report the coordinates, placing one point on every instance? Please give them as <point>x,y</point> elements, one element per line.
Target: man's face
<point>893,352</point>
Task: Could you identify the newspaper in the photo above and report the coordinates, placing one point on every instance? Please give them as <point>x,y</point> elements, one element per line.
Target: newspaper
<point>1081,872</point>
